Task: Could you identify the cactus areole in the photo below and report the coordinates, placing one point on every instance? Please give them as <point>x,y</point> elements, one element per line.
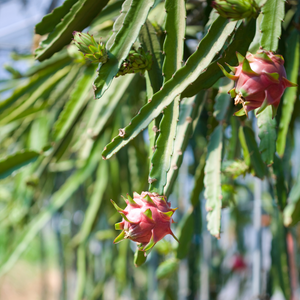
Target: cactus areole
<point>147,218</point>
<point>260,81</point>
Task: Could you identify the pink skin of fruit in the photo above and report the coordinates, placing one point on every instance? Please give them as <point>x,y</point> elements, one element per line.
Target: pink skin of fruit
<point>239,263</point>
<point>260,81</point>
<point>147,218</point>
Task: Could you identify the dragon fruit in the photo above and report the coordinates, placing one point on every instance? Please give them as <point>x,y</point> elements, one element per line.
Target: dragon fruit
<point>260,81</point>
<point>146,219</point>
<point>238,263</point>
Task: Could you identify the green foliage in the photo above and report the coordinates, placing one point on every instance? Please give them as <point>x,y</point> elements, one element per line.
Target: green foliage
<point>150,42</point>
<point>75,105</point>
<point>255,157</point>
<point>290,96</point>
<point>186,232</point>
<point>164,146</point>
<point>242,39</point>
<point>52,133</point>
<point>196,64</point>
<point>167,268</point>
<point>273,14</point>
<point>267,135</point>
<point>95,203</point>
<point>280,264</point>
<point>122,43</point>
<point>49,22</point>
<point>212,182</point>
<point>190,110</point>
<point>78,18</point>
<point>58,200</point>
<point>16,161</point>
<point>291,213</point>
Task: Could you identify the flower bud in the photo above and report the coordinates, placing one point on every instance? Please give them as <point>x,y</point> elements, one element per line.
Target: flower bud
<point>93,51</point>
<point>136,61</point>
<point>236,9</point>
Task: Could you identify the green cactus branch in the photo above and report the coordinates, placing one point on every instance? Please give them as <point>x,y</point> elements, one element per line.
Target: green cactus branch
<point>57,201</point>
<point>174,40</point>
<point>39,74</point>
<point>267,135</point>
<point>291,213</point>
<point>154,79</point>
<point>15,161</point>
<point>173,50</point>
<point>290,95</point>
<point>122,43</point>
<point>209,46</point>
<point>150,42</point>
<point>190,110</point>
<point>280,271</point>
<point>44,88</point>
<point>78,100</point>
<point>94,205</point>
<point>49,22</point>
<point>111,100</point>
<point>77,19</point>
<point>118,24</point>
<point>212,182</point>
<point>273,14</point>
<point>212,170</point>
<point>253,152</point>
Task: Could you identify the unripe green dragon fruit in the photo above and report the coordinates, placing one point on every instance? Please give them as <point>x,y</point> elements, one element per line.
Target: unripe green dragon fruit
<point>136,61</point>
<point>260,81</point>
<point>93,51</point>
<point>147,218</point>
<point>236,9</point>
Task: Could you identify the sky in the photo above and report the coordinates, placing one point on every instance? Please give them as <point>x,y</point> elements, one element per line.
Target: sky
<point>17,21</point>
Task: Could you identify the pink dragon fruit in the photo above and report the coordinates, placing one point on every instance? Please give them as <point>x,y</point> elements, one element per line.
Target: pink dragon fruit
<point>238,263</point>
<point>260,81</point>
<point>146,219</point>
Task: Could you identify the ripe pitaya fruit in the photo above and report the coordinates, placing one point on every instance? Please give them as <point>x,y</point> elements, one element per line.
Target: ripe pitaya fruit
<point>236,9</point>
<point>238,263</point>
<point>147,218</point>
<point>260,81</point>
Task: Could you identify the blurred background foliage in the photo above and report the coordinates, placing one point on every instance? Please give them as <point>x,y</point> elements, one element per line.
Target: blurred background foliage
<point>55,214</point>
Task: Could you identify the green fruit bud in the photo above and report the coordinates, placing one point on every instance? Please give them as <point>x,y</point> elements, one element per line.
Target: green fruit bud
<point>93,51</point>
<point>137,61</point>
<point>236,9</point>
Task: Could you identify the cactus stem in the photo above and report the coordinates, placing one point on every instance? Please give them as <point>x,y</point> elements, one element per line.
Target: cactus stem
<point>174,236</point>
